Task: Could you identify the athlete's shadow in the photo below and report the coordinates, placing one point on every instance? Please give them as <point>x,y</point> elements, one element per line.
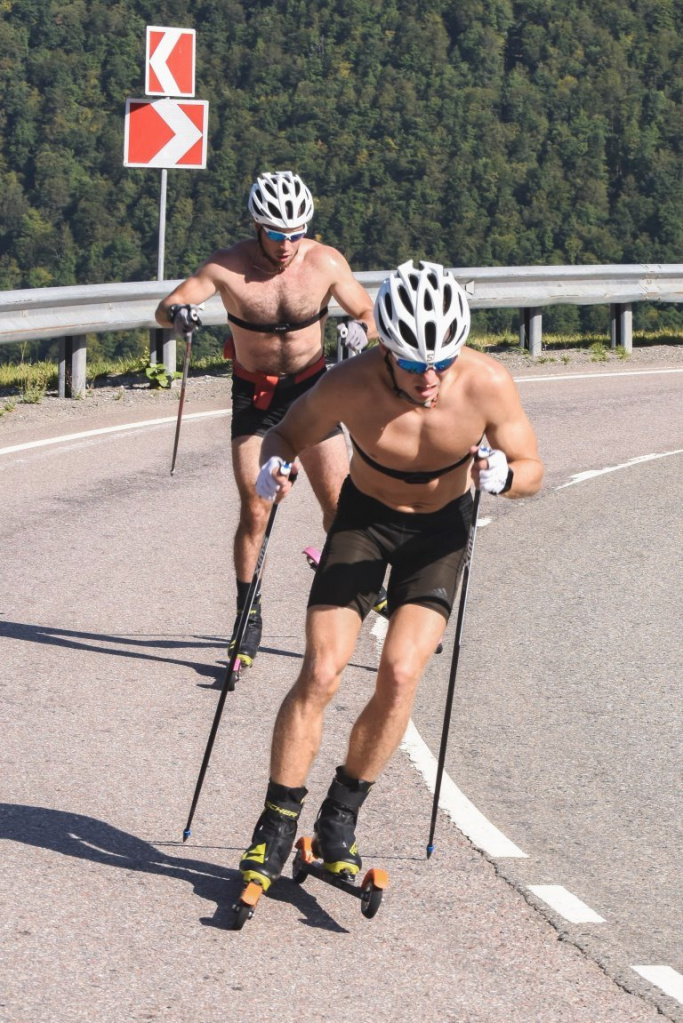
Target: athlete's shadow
<point>94,641</point>
<point>86,838</point>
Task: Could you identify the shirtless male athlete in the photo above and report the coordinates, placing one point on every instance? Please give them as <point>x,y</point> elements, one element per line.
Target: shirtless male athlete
<point>418,407</point>
<point>276,288</point>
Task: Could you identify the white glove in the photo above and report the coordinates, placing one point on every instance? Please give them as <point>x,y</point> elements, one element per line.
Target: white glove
<point>354,335</point>
<point>493,479</point>
<point>267,486</point>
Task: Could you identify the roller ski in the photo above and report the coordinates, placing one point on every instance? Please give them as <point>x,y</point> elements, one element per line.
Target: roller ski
<point>332,855</point>
<point>271,844</point>
<point>313,558</point>
<point>243,657</point>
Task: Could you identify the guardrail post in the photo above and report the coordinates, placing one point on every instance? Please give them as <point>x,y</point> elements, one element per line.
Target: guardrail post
<point>72,365</point>
<point>162,348</point>
<point>531,330</point>
<point>621,326</point>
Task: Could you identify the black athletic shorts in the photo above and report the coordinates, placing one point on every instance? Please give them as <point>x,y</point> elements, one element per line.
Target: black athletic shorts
<point>424,550</point>
<point>248,421</point>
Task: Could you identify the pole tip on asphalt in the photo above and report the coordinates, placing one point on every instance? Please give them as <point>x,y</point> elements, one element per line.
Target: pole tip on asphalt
<point>430,850</point>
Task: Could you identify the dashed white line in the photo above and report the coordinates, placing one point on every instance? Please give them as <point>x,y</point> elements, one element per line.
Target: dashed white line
<point>590,474</point>
<point>567,905</point>
<point>664,977</point>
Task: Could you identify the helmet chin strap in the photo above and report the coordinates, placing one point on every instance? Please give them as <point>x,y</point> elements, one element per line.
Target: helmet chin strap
<point>403,394</point>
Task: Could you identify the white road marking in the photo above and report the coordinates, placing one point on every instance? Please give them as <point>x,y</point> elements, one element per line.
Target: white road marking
<point>590,474</point>
<point>664,977</point>
<point>68,437</point>
<point>594,376</point>
<point>225,412</point>
<point>462,812</point>
<point>566,904</point>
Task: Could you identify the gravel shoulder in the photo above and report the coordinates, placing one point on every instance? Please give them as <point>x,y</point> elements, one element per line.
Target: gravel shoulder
<point>111,402</point>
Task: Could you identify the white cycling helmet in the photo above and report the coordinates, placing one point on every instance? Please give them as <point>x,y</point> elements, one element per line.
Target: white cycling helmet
<point>280,199</point>
<point>422,314</point>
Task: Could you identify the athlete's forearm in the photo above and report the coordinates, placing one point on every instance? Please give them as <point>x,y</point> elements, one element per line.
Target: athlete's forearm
<point>275,445</point>
<point>527,476</point>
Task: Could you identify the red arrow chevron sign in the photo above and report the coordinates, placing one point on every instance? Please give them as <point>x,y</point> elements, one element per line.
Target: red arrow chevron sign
<point>166,133</point>
<point>170,61</point>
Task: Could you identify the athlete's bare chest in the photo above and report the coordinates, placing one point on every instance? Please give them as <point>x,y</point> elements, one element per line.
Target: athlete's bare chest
<point>287,297</point>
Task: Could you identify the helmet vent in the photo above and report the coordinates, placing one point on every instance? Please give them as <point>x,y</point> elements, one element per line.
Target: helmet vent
<point>430,336</point>
<point>407,334</point>
<point>405,298</point>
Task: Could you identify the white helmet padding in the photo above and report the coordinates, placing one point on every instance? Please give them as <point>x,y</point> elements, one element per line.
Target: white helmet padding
<point>281,200</point>
<point>422,314</point>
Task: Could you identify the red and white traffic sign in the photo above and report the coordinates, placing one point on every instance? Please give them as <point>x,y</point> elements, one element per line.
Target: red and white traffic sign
<point>166,133</point>
<point>170,61</point>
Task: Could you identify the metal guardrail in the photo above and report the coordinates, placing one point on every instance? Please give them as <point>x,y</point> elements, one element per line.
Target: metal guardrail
<point>75,311</point>
<point>95,308</point>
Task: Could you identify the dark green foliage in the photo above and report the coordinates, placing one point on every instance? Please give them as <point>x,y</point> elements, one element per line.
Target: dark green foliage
<point>505,132</point>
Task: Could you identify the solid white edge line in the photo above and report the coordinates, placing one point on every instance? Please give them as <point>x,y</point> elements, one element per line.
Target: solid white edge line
<point>665,977</point>
<point>607,375</point>
<point>68,437</point>
<point>462,812</point>
<point>566,904</point>
<point>590,474</point>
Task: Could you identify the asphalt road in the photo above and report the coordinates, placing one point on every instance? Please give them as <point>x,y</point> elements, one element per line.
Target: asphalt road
<point>116,599</point>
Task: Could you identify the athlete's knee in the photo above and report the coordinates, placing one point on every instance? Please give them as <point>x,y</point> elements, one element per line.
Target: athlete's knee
<point>319,678</point>
<point>398,679</point>
<point>253,514</point>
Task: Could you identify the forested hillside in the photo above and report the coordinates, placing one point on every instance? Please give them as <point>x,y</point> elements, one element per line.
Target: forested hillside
<point>471,132</point>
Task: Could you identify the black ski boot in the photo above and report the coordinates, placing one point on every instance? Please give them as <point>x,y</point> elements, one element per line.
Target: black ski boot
<point>335,826</point>
<point>274,835</point>
<point>251,640</point>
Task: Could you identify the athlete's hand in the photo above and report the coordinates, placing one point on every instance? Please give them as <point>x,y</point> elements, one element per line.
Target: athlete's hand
<point>185,318</point>
<point>354,335</point>
<point>272,477</point>
<point>490,470</point>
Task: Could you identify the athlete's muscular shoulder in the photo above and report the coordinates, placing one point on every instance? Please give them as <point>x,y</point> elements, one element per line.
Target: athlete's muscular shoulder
<point>235,259</point>
<point>483,378</point>
<point>326,259</point>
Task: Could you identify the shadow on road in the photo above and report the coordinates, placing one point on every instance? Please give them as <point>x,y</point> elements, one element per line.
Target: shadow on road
<point>68,638</point>
<point>86,838</point>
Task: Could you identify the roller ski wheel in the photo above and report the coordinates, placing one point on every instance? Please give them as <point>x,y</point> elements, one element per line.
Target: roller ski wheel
<point>246,904</point>
<point>307,863</point>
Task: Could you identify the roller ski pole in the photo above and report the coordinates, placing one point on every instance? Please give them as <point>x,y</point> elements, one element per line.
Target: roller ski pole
<point>232,672</point>
<point>454,668</point>
<point>188,321</point>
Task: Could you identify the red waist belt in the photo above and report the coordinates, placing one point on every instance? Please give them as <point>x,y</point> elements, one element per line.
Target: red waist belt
<point>264,384</point>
